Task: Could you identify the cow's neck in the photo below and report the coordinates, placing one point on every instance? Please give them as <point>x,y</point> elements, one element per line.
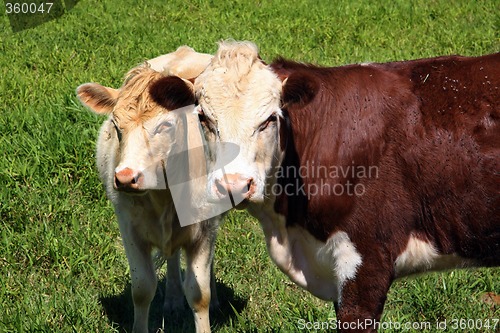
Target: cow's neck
<point>299,204</point>
<point>156,202</point>
<point>333,159</point>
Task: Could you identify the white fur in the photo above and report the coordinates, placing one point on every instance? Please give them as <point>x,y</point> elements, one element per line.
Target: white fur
<point>321,268</point>
<point>146,222</point>
<point>421,256</point>
<point>221,90</point>
<point>347,258</point>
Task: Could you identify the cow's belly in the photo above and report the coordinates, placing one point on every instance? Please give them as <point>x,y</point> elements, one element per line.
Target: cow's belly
<point>321,268</point>
<point>421,256</point>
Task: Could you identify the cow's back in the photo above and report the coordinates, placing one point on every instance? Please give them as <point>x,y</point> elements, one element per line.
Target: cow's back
<point>456,93</point>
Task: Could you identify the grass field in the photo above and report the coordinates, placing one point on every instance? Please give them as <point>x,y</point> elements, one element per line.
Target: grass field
<point>62,266</point>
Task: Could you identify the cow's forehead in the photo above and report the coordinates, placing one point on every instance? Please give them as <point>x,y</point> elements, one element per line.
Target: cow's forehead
<point>135,105</point>
<point>238,87</point>
<point>129,115</point>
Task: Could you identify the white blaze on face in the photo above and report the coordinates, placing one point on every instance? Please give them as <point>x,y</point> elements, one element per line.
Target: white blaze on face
<point>239,102</point>
<point>133,147</point>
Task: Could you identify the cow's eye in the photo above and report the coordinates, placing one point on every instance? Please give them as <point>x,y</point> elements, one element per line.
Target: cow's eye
<point>202,117</point>
<point>117,129</point>
<point>164,126</point>
<point>269,121</point>
<point>206,122</point>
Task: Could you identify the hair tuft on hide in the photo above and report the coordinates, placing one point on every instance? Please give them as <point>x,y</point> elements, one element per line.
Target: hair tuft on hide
<point>237,56</point>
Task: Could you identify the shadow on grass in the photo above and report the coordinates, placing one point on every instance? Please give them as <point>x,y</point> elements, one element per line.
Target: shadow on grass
<point>120,311</point>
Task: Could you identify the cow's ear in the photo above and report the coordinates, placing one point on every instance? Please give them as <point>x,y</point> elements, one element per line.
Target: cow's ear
<point>98,98</point>
<point>172,92</point>
<point>299,88</point>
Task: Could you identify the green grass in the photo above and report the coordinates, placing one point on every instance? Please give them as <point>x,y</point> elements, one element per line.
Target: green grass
<point>62,266</point>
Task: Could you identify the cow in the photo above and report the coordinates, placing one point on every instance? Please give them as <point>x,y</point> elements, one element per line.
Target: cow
<point>359,174</point>
<point>141,132</point>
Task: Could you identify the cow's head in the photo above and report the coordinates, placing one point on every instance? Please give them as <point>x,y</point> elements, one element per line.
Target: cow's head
<point>145,127</point>
<point>239,105</point>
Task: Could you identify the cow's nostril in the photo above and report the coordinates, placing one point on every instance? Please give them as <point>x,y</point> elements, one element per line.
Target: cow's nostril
<point>118,184</point>
<point>128,179</point>
<point>220,187</point>
<point>248,186</point>
<point>251,188</point>
<point>137,178</point>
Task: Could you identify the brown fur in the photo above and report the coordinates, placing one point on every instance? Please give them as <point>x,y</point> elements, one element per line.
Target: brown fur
<point>431,127</point>
<point>172,92</point>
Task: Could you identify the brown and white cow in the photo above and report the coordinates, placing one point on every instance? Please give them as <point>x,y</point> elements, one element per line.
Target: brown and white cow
<point>135,142</point>
<point>359,174</point>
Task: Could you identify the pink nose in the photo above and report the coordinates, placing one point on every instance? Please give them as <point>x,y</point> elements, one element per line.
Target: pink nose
<point>128,180</point>
<point>236,186</point>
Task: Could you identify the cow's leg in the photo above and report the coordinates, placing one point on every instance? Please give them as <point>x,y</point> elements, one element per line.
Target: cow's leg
<point>174,296</point>
<point>362,298</point>
<point>214,300</point>
<point>142,275</point>
<point>197,284</point>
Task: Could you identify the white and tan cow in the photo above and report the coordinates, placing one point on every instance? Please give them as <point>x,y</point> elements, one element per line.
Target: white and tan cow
<point>358,174</point>
<point>143,130</point>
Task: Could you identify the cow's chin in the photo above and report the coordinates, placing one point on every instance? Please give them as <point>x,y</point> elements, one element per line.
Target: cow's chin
<point>242,205</point>
<point>256,199</point>
<point>133,192</point>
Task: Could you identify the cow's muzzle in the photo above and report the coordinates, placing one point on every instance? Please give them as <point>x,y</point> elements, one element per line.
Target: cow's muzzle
<point>237,188</point>
<point>129,180</point>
